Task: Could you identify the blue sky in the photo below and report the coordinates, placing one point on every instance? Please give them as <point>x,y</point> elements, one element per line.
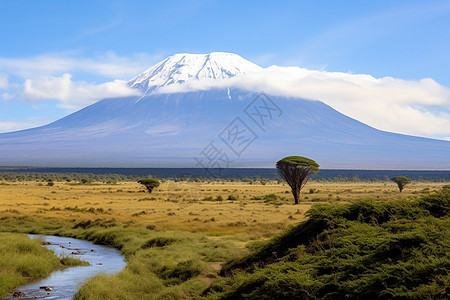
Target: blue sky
<point>90,43</point>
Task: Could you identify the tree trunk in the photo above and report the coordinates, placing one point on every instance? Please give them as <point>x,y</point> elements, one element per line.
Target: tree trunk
<point>295,197</point>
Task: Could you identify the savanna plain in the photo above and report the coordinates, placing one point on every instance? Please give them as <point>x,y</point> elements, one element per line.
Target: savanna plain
<point>234,239</point>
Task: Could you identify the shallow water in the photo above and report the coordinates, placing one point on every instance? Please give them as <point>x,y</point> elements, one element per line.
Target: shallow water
<point>67,282</point>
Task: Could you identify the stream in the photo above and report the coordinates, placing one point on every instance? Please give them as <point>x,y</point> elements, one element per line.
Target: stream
<point>65,283</point>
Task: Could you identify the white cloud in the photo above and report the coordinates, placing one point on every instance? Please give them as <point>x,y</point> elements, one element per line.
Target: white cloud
<point>49,76</point>
<point>107,64</point>
<point>73,94</point>
<point>4,83</point>
<point>402,106</point>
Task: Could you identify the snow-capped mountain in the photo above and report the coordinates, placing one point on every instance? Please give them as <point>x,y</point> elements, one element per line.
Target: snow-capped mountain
<point>184,129</point>
<point>183,68</point>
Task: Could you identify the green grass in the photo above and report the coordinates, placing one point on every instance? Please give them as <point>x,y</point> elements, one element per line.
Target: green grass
<point>367,249</point>
<point>24,260</point>
<point>342,250</point>
<point>72,262</point>
<point>167,265</point>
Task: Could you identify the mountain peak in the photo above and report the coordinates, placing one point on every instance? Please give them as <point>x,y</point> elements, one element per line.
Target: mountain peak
<point>183,67</point>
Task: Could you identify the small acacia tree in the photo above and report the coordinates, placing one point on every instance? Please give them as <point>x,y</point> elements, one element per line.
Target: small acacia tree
<point>149,183</point>
<point>401,181</point>
<point>295,170</point>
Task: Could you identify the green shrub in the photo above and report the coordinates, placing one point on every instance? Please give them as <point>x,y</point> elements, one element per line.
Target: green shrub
<point>210,198</point>
<point>72,262</point>
<point>437,204</point>
<point>367,249</point>
<point>183,271</point>
<point>158,242</point>
<point>271,199</point>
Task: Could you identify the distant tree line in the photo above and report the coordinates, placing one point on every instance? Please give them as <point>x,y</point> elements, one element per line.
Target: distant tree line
<point>63,177</point>
<point>251,175</point>
<point>255,179</point>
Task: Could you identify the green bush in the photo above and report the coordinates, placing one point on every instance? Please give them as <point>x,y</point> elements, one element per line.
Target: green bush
<point>367,249</point>
<point>158,242</point>
<point>437,204</point>
<point>183,271</point>
<point>210,198</point>
<point>72,262</point>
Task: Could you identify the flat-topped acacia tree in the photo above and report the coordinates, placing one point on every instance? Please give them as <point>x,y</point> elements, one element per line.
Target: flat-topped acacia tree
<point>295,170</point>
<point>149,183</point>
<point>401,181</point>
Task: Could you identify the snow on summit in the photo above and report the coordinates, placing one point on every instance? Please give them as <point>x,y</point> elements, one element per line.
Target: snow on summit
<point>182,68</point>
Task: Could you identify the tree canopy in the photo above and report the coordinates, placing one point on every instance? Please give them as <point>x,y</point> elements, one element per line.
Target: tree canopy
<point>401,181</point>
<point>295,170</point>
<point>300,161</point>
<point>149,183</point>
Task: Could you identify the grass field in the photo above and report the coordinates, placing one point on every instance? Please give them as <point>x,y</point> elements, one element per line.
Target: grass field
<point>176,239</point>
<point>24,260</point>
<point>190,206</point>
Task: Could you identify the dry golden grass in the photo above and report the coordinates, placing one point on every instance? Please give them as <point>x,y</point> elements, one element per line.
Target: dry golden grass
<point>180,205</point>
<point>204,233</point>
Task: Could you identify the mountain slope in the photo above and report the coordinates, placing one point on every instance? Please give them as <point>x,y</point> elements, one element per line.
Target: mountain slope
<point>181,129</point>
<point>172,129</point>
